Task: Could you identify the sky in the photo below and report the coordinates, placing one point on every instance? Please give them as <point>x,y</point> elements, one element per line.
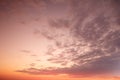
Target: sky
<point>59,40</point>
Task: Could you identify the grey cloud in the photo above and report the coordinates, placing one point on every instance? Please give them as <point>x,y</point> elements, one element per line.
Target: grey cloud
<point>106,64</point>
<point>113,38</point>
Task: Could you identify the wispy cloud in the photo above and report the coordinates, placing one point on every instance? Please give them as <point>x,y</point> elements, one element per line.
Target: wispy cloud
<point>34,55</point>
<point>94,66</point>
<point>26,51</point>
<point>32,64</point>
<point>59,23</point>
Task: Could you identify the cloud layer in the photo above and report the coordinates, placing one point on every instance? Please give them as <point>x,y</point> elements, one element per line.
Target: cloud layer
<point>85,43</point>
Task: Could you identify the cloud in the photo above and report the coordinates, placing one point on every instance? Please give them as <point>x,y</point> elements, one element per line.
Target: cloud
<point>25,51</point>
<point>98,66</point>
<point>90,47</point>
<point>59,23</point>
<point>43,33</point>
<point>50,51</point>
<point>32,64</point>
<point>37,71</point>
<point>93,62</point>
<point>34,55</point>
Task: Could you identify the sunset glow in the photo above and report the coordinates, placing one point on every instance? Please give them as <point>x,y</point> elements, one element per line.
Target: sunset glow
<point>59,40</point>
